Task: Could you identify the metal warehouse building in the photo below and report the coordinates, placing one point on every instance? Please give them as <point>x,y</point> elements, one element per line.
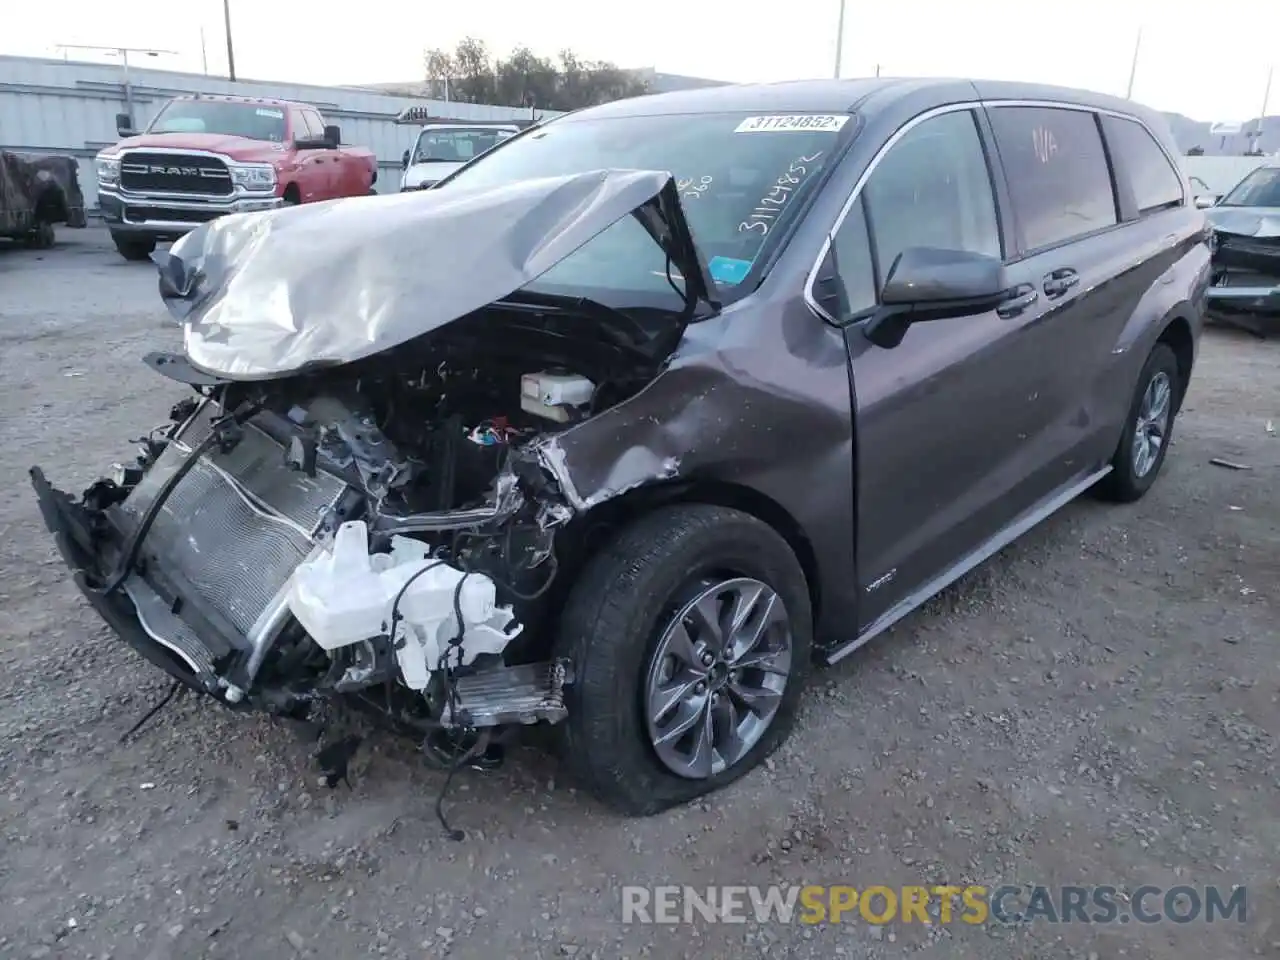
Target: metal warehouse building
<point>67,107</point>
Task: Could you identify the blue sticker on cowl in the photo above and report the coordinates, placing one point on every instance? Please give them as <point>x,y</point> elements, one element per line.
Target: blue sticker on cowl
<point>728,270</point>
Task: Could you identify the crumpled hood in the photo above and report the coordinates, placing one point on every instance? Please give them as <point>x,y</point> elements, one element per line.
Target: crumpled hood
<point>264,295</point>
<point>420,173</point>
<point>1260,222</point>
<point>238,148</point>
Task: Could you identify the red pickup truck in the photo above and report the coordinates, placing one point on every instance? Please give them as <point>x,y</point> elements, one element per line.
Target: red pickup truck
<point>206,156</point>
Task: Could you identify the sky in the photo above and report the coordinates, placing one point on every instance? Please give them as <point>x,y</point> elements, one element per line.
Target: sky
<point>1196,59</point>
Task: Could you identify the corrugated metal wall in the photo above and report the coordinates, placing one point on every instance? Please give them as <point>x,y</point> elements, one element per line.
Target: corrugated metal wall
<point>69,108</point>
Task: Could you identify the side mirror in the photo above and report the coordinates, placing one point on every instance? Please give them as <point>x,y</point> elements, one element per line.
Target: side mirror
<point>333,136</point>
<point>404,160</point>
<point>925,283</point>
<point>1204,201</point>
<point>124,125</point>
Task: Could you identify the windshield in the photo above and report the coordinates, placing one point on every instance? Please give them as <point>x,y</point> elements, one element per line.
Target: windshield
<point>1259,189</point>
<point>455,145</point>
<point>739,176</point>
<point>249,120</point>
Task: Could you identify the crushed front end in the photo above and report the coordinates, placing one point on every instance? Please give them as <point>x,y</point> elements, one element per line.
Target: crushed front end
<point>269,550</point>
<point>1245,286</point>
<point>357,500</point>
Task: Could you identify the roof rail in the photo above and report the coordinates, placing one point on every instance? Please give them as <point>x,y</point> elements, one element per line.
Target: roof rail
<point>419,115</point>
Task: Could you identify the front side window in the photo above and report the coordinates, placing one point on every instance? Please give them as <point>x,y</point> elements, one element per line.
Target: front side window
<point>930,189</point>
<point>739,177</point>
<point>1059,178</point>
<point>933,189</point>
<point>1156,184</point>
<point>252,121</point>
<point>1259,189</point>
<point>454,146</point>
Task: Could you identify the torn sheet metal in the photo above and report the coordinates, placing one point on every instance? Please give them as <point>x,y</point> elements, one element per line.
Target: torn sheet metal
<point>263,295</point>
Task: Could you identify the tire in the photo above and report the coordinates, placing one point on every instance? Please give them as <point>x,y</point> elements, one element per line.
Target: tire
<point>1127,481</point>
<point>613,624</point>
<point>42,237</point>
<point>133,248</point>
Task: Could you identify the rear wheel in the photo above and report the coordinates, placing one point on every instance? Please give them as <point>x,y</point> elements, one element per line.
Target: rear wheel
<point>1144,444</point>
<point>134,248</point>
<point>690,638</point>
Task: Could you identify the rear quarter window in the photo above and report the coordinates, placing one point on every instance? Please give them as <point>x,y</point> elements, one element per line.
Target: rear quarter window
<point>1059,178</point>
<point>1156,184</point>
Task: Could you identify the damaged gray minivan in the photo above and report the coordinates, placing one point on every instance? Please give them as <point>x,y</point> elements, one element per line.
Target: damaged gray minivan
<point>642,412</point>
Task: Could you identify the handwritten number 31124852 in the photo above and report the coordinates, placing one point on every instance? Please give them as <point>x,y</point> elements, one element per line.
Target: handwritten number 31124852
<point>776,197</point>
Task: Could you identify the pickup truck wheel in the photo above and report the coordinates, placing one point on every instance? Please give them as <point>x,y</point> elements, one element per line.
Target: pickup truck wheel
<point>42,237</point>
<point>291,197</point>
<point>134,248</point>
<point>690,638</point>
<point>1148,429</point>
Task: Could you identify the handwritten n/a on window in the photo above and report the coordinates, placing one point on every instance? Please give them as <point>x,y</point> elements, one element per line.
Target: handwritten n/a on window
<point>1044,143</point>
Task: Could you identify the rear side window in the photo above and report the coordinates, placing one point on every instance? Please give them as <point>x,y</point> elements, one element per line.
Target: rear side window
<point>1059,178</point>
<point>1156,184</point>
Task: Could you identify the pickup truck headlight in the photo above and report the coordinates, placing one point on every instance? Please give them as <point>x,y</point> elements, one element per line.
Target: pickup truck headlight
<point>254,176</point>
<point>108,171</point>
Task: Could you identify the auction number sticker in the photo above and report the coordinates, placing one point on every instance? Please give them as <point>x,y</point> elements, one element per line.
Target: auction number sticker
<point>816,122</point>
<point>273,114</point>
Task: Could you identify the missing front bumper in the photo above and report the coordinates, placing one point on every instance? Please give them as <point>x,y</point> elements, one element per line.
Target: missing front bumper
<point>494,697</point>
<point>1254,309</point>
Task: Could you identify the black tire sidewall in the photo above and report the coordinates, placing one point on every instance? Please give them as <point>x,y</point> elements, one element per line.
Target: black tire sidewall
<point>611,627</point>
<point>132,248</point>
<point>1126,485</point>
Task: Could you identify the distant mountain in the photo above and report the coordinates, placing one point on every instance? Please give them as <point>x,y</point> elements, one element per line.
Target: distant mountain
<point>1193,133</point>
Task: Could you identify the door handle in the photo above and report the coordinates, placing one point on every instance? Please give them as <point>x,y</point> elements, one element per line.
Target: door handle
<point>1020,298</point>
<point>1059,282</point>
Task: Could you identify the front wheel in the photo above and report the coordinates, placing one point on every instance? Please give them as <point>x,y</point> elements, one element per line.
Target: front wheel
<point>42,237</point>
<point>1144,444</point>
<point>690,637</point>
<point>134,248</point>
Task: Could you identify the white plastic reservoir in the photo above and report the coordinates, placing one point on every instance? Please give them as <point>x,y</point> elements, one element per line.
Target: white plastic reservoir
<point>345,596</point>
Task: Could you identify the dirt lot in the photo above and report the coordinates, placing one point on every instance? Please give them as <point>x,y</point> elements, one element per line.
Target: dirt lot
<point>1100,704</point>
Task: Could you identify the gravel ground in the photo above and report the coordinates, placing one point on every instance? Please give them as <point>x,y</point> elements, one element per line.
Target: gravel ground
<point>1099,704</point>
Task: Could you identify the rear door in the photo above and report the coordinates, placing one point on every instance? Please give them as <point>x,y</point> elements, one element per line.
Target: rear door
<point>1076,247</point>
<point>949,422</point>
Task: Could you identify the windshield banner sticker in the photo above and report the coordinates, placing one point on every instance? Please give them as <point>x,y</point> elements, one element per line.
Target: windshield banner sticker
<point>807,122</point>
<point>728,270</point>
<point>273,114</point>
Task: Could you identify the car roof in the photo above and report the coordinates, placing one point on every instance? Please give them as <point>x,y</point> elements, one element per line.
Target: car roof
<point>864,95</point>
<point>260,101</point>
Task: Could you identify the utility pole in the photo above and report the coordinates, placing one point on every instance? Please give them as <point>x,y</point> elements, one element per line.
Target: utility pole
<point>839,39</point>
<point>1256,145</point>
<point>1133,68</point>
<point>204,54</point>
<point>123,54</point>
<point>231,50</point>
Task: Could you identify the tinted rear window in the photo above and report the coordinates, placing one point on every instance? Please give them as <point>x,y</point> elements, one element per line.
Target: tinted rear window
<point>1156,184</point>
<point>1059,178</point>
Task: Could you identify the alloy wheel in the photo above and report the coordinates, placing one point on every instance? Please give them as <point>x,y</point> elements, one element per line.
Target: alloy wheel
<point>1152,427</point>
<point>717,676</point>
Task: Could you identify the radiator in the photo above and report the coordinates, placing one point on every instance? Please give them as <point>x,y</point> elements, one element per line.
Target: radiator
<point>236,526</point>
